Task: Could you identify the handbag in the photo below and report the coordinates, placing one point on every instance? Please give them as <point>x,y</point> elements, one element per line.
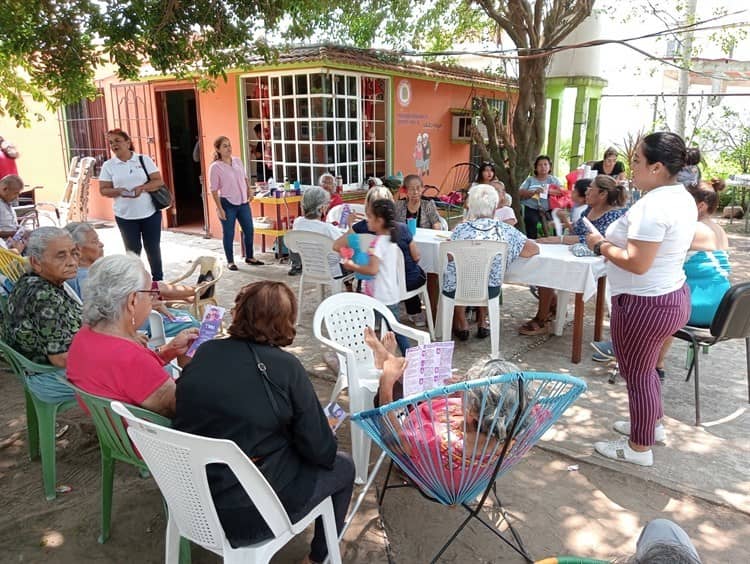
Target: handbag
<point>161,197</point>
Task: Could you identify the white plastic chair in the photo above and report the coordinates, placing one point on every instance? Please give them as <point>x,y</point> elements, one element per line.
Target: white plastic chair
<point>178,463</point>
<point>204,265</point>
<point>404,294</point>
<point>314,250</point>
<point>472,260</point>
<point>159,339</point>
<point>344,317</point>
<point>158,335</point>
<point>559,229</point>
<point>444,223</point>
<point>334,214</point>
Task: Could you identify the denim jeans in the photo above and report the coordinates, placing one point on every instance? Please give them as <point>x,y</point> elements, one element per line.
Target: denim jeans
<point>148,230</point>
<point>48,387</point>
<point>235,214</point>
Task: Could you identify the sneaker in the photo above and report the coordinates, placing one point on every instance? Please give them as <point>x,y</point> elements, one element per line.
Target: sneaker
<point>418,319</point>
<point>620,450</point>
<point>599,357</point>
<point>623,427</point>
<point>604,351</point>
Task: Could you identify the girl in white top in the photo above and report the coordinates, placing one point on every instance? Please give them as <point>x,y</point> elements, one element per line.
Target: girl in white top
<point>384,257</point>
<point>645,250</point>
<point>128,178</point>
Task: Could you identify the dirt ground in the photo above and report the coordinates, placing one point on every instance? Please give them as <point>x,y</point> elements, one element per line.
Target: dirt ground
<point>562,500</point>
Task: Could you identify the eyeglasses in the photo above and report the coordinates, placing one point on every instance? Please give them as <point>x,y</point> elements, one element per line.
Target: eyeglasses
<point>153,294</point>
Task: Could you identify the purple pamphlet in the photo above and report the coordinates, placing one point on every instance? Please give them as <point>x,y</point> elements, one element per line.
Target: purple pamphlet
<point>210,327</point>
<point>335,415</point>
<point>427,367</point>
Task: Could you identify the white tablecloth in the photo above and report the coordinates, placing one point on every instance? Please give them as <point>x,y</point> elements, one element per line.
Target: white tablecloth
<point>428,243</point>
<point>556,267</point>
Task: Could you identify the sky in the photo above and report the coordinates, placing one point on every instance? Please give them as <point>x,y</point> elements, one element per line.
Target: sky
<point>629,72</point>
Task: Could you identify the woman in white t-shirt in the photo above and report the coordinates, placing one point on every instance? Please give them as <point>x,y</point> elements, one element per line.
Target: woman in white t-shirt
<point>645,250</point>
<point>128,178</point>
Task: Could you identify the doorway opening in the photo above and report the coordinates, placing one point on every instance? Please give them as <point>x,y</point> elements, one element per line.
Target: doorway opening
<point>181,158</point>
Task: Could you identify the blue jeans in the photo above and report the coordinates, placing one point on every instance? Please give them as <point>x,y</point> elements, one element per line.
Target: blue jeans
<point>48,387</point>
<point>147,229</point>
<point>234,214</point>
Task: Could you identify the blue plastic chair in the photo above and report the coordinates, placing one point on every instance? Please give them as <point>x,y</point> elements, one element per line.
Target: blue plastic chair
<point>433,437</point>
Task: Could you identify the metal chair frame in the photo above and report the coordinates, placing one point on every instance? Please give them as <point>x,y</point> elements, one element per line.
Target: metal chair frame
<point>731,321</point>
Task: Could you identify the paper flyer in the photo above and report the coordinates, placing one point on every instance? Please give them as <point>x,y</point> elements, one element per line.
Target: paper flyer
<point>210,327</point>
<point>177,318</point>
<point>335,414</point>
<point>428,366</point>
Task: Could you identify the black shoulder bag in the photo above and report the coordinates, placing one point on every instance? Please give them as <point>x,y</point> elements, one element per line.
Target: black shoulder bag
<point>267,383</point>
<point>161,197</point>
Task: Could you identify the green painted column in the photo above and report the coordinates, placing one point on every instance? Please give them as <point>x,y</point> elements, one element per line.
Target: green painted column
<point>555,92</point>
<point>591,152</point>
<point>579,120</point>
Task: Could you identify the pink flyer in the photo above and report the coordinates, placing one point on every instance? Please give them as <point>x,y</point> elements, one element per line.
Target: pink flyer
<point>428,366</point>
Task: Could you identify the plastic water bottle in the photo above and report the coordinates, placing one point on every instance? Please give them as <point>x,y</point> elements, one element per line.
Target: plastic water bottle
<point>286,184</point>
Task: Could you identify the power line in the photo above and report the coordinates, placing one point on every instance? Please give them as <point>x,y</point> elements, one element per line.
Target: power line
<point>545,51</point>
<point>663,95</point>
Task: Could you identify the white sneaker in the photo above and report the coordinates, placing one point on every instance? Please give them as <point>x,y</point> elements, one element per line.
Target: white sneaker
<point>418,319</point>
<point>623,427</point>
<point>620,450</point>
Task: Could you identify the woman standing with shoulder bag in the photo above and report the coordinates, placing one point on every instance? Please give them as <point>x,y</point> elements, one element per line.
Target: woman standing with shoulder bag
<point>645,250</point>
<point>128,177</point>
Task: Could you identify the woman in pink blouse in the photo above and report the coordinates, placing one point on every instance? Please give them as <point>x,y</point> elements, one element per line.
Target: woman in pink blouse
<point>230,189</point>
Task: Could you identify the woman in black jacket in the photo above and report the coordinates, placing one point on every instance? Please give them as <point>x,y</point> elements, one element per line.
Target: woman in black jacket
<point>275,418</point>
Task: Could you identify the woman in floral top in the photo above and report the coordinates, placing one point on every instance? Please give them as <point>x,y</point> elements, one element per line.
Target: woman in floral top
<point>480,225</point>
<point>605,199</point>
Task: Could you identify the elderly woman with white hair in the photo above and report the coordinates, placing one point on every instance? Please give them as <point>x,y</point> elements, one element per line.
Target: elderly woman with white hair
<point>43,314</point>
<point>315,204</point>
<point>328,182</point>
<point>107,357</point>
<point>90,249</point>
<point>481,225</point>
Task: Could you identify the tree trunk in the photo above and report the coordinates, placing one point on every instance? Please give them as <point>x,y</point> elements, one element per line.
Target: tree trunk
<point>518,146</point>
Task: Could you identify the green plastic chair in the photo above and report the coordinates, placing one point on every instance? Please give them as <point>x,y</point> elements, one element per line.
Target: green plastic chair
<point>115,444</point>
<point>40,416</point>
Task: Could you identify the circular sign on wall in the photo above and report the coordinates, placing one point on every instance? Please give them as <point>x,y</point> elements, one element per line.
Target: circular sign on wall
<point>404,93</point>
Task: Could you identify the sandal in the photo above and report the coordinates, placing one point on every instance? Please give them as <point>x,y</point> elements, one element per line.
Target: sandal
<point>534,327</point>
<point>461,334</point>
<point>254,262</point>
<point>232,266</point>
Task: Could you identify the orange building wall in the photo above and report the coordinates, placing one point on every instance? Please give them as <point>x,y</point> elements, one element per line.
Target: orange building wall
<point>218,115</point>
<point>428,111</point>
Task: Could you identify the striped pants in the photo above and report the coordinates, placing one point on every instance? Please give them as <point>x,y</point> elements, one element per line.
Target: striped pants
<point>639,326</point>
